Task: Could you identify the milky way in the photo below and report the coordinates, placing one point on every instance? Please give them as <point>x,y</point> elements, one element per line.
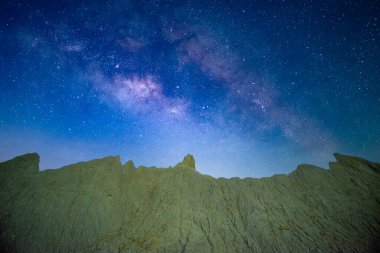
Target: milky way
<point>249,88</point>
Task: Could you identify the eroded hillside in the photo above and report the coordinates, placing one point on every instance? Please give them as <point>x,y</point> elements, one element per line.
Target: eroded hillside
<point>104,206</point>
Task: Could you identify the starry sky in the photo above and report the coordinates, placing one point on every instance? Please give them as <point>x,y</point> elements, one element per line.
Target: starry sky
<point>250,88</point>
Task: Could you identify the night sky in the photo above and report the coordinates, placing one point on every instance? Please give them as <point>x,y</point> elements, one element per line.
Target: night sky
<point>250,88</point>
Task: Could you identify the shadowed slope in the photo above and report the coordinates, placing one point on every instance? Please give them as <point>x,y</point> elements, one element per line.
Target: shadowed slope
<point>104,206</point>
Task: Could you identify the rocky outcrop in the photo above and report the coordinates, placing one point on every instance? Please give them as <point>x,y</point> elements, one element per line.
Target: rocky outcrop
<point>187,162</point>
<point>104,206</point>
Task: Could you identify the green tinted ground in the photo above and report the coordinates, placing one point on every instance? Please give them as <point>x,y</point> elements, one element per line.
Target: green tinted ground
<point>103,206</point>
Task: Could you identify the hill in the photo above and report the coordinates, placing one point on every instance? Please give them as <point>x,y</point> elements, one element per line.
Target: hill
<point>105,206</point>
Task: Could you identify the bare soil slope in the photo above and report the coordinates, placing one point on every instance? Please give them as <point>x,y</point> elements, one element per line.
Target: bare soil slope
<point>104,206</point>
